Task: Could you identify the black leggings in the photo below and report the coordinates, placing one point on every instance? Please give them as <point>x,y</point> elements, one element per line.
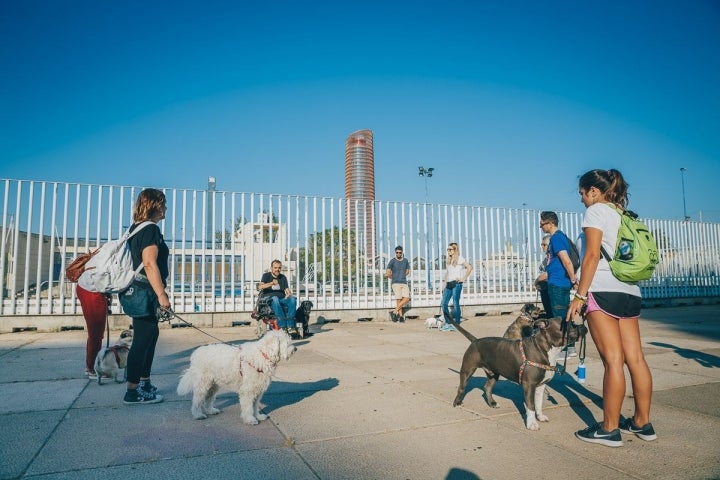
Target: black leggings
<point>142,351</point>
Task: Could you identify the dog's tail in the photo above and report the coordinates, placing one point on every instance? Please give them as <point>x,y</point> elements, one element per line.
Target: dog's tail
<point>467,334</point>
<point>185,385</point>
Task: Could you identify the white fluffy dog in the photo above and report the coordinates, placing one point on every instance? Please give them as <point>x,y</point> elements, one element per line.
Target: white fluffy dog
<point>434,322</point>
<point>246,369</point>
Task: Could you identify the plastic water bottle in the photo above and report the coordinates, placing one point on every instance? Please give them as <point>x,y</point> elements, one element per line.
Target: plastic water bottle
<point>625,250</point>
<point>581,372</point>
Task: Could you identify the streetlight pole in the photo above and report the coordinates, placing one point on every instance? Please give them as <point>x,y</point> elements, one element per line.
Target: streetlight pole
<point>682,178</point>
<point>210,211</point>
<point>427,173</point>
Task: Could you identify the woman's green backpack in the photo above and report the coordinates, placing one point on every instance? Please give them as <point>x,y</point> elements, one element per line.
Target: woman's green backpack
<point>636,253</point>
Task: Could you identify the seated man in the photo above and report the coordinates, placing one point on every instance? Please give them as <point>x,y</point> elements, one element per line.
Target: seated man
<point>275,285</point>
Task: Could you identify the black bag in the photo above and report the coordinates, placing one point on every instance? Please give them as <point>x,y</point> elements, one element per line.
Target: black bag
<point>139,300</point>
<point>573,253</point>
<point>451,285</point>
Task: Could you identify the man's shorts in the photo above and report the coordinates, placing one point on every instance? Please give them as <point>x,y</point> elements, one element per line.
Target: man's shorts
<point>401,290</point>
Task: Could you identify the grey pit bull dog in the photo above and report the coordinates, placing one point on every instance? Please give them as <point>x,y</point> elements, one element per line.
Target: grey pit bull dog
<point>524,323</point>
<point>529,362</point>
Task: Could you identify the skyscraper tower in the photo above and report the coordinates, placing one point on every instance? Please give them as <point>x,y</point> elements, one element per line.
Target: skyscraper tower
<point>360,189</point>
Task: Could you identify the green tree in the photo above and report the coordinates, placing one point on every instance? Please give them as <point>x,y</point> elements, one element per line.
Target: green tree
<point>331,254</point>
<point>223,238</point>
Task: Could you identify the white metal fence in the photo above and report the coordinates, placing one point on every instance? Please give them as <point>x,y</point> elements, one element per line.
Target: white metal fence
<point>222,242</point>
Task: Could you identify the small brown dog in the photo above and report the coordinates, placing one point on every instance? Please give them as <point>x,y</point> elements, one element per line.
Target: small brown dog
<point>524,324</point>
<point>111,360</point>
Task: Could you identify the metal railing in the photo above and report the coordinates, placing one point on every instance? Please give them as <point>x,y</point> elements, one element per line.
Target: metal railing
<point>222,242</point>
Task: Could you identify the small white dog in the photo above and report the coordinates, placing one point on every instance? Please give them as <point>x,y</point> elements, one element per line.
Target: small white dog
<point>110,361</point>
<point>434,322</point>
<point>245,369</point>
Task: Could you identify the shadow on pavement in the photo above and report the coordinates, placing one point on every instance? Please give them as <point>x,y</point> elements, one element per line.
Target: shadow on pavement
<point>281,394</point>
<point>704,359</point>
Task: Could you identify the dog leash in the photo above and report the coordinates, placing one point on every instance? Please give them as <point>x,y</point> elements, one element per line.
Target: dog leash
<point>582,334</point>
<point>108,300</point>
<point>167,314</point>
<point>107,327</point>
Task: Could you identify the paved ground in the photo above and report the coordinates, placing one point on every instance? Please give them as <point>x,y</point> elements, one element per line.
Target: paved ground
<point>358,400</point>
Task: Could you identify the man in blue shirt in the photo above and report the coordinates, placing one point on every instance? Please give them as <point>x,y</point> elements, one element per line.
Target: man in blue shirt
<point>560,271</point>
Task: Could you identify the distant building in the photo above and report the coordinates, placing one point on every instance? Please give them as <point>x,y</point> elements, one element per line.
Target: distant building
<point>360,189</point>
<point>262,241</point>
<point>28,258</point>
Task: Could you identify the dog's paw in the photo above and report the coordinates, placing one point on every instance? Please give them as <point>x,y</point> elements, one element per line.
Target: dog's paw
<point>457,402</point>
<point>250,421</point>
<point>532,425</point>
<point>543,418</point>
<point>213,411</point>
<point>261,416</point>
<point>200,416</point>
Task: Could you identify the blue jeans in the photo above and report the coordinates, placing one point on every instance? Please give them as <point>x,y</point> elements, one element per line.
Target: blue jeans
<point>559,300</point>
<point>282,305</point>
<point>455,294</point>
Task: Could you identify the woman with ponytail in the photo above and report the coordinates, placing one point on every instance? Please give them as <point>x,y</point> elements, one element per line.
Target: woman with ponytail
<point>612,309</point>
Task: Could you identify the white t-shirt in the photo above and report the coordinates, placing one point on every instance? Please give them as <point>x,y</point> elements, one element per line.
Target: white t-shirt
<point>603,217</point>
<point>453,272</point>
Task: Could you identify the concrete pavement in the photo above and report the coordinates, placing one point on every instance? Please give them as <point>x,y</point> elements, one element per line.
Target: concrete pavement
<point>359,400</point>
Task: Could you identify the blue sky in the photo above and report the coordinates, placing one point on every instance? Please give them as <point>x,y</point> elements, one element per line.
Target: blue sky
<point>509,101</point>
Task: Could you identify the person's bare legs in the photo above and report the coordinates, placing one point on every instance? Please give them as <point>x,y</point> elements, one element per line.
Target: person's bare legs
<point>606,333</point>
<point>640,375</point>
<point>401,302</point>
